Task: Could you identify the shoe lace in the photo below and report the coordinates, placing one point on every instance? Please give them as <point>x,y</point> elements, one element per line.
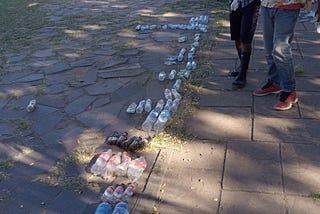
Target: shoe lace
<point>284,96</point>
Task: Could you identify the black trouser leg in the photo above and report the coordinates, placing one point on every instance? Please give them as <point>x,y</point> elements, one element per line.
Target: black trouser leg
<point>241,79</point>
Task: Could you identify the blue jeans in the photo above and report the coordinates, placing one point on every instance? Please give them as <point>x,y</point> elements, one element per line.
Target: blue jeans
<point>278,29</point>
<point>106,208</point>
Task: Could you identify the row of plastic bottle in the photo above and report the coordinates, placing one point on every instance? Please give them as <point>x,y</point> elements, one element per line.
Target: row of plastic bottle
<point>109,165</point>
<point>124,142</point>
<point>117,193</point>
<point>162,75</point>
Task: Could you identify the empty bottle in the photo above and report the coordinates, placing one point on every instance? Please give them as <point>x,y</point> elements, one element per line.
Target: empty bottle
<point>140,107</point>
<point>136,168</point>
<point>167,94</point>
<point>108,193</point>
<point>177,84</point>
<point>175,105</point>
<point>150,120</point>
<point>121,169</point>
<point>132,108</point>
<point>138,144</point>
<point>187,73</point>
<point>168,104</point>
<point>193,65</point>
<point>161,121</point>
<point>190,57</point>
<point>101,163</point>
<point>172,74</point>
<point>112,140</point>
<point>112,163</point>
<point>31,106</point>
<point>148,107</point>
<point>118,193</point>
<point>182,39</point>
<point>159,106</point>
<point>162,75</point>
<point>176,94</point>
<point>188,66</point>
<point>182,51</point>
<point>129,191</point>
<point>122,137</point>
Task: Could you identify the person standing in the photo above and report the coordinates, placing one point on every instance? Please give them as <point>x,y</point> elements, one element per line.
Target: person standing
<point>243,21</point>
<point>279,18</point>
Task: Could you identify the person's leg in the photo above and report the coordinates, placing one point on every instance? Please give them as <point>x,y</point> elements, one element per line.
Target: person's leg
<point>121,208</point>
<point>285,21</point>
<point>235,26</point>
<point>104,208</point>
<point>248,26</point>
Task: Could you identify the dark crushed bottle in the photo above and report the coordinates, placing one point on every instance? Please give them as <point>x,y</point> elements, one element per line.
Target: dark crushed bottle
<point>112,140</point>
<point>125,144</point>
<point>123,136</point>
<point>138,144</point>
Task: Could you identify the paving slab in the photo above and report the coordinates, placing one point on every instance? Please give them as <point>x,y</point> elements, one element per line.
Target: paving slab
<point>300,168</point>
<point>302,205</point>
<point>253,167</point>
<point>221,123</point>
<point>251,202</point>
<point>309,105</point>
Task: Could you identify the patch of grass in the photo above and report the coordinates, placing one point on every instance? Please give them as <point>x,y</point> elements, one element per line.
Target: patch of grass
<point>21,124</point>
<point>5,165</point>
<point>315,196</point>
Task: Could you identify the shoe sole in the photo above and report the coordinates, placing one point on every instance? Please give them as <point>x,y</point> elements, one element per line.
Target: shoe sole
<point>287,108</point>
<point>265,94</point>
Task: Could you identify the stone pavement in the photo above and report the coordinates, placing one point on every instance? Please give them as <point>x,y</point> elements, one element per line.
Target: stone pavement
<point>88,64</point>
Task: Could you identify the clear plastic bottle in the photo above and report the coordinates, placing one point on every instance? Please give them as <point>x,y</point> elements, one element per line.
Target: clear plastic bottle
<point>176,94</point>
<point>172,74</point>
<point>190,57</point>
<point>167,94</point>
<point>31,106</point>
<point>188,66</point>
<point>121,169</point>
<point>182,39</point>
<point>118,193</point>
<point>177,84</point>
<point>193,65</point>
<point>132,108</point>
<point>162,75</point>
<point>175,105</point>
<point>136,168</point>
<point>159,106</point>
<point>101,163</point>
<point>168,104</point>
<point>108,193</point>
<point>140,107</point>
<point>182,51</point>
<point>148,107</point>
<point>112,163</point>
<point>161,121</point>
<point>129,191</point>
<point>150,120</point>
<point>187,73</point>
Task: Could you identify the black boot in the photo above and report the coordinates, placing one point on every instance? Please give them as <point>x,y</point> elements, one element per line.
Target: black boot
<point>241,79</point>
<point>237,70</point>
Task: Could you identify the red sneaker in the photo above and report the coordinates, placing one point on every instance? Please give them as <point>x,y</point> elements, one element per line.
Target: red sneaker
<point>268,88</point>
<point>287,99</point>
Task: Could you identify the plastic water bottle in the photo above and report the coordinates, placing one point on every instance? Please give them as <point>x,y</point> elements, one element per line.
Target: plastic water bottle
<point>175,105</point>
<point>150,120</point>
<point>172,74</point>
<point>132,108</point>
<point>31,106</point>
<point>101,163</point>
<point>122,137</point>
<point>161,121</point>
<point>187,73</point>
<point>118,193</point>
<point>168,105</point>
<point>167,94</point>
<point>140,107</point>
<point>148,107</point>
<point>136,168</point>
<point>129,191</point>
<point>176,94</point>
<point>193,65</point>
<point>121,208</point>
<point>112,140</point>
<point>112,163</point>
<point>162,75</point>
<point>188,66</point>
<point>121,169</point>
<point>190,57</point>
<point>177,84</point>
<point>182,39</point>
<point>159,106</point>
<point>182,51</point>
<point>108,193</point>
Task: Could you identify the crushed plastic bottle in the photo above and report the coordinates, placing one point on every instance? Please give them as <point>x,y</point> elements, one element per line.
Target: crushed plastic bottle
<point>148,106</point>
<point>176,94</point>
<point>162,75</point>
<point>161,121</point>
<point>193,65</point>
<point>125,145</point>
<point>177,84</point>
<point>188,66</point>
<point>112,163</point>
<point>118,193</point>
<point>167,94</point>
<point>175,105</point>
<point>159,106</point>
<point>172,74</point>
<point>140,107</point>
<point>149,121</point>
<point>183,39</point>
<point>129,191</point>
<point>101,163</point>
<point>136,168</point>
<point>190,57</point>
<point>108,193</point>
<point>112,140</point>
<point>132,108</point>
<point>121,169</point>
<point>168,104</point>
<point>122,137</point>
<point>138,144</point>
<point>31,106</point>
<point>187,73</point>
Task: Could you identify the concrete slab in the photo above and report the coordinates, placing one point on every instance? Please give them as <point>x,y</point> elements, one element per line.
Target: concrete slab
<point>251,202</point>
<point>300,168</point>
<point>253,167</point>
<point>219,123</point>
<point>299,205</point>
<point>309,105</point>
